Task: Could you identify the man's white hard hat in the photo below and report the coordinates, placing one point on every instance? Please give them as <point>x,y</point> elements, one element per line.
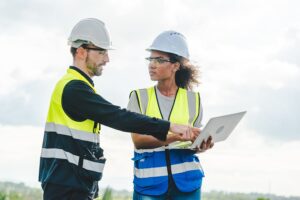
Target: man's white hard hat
<point>90,30</point>
<point>171,42</point>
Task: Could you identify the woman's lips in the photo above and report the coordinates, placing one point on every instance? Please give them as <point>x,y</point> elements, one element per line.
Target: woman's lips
<point>152,73</point>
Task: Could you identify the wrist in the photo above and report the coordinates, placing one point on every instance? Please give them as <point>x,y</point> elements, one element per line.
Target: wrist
<point>172,127</point>
<point>171,138</point>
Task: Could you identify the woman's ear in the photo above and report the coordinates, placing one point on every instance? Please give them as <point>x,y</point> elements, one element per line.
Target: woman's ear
<point>176,66</point>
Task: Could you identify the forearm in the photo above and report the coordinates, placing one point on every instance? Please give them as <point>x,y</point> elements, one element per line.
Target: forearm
<point>149,142</point>
<point>79,97</point>
<point>124,120</point>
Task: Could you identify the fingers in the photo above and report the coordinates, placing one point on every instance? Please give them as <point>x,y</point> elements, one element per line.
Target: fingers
<point>187,135</point>
<point>183,131</point>
<point>196,131</point>
<point>194,138</point>
<point>205,145</point>
<point>209,140</point>
<point>192,133</point>
<point>200,148</point>
<point>209,143</point>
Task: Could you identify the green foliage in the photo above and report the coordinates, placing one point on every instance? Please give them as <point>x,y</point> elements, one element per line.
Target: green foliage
<point>2,196</point>
<point>110,194</point>
<point>217,195</point>
<point>11,196</point>
<point>107,194</point>
<point>19,191</point>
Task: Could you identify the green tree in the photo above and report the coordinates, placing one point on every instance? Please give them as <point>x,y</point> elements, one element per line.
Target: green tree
<point>2,196</point>
<point>107,194</point>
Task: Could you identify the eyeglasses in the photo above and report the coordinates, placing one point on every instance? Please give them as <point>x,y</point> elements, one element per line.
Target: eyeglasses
<point>158,60</point>
<point>101,51</point>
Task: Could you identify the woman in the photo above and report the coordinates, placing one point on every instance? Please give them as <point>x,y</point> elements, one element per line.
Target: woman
<point>164,170</point>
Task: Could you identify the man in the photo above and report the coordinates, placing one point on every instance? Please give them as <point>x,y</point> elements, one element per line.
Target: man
<point>72,161</point>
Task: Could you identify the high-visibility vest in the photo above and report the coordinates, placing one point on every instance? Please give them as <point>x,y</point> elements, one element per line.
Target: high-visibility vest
<point>151,166</point>
<point>71,154</point>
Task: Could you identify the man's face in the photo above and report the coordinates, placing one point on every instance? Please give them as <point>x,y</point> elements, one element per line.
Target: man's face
<point>95,60</point>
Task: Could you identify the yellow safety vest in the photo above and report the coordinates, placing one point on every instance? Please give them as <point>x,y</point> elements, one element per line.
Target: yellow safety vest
<point>71,154</point>
<point>180,114</point>
<point>56,114</point>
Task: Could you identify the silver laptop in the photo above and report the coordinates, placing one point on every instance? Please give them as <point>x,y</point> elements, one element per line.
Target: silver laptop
<point>219,128</point>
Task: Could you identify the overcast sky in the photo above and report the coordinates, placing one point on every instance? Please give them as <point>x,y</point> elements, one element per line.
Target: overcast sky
<point>248,53</point>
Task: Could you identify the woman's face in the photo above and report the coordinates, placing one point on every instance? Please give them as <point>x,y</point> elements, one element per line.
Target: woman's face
<point>160,68</point>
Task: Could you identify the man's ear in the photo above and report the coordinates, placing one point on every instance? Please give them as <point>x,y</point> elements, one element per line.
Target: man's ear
<point>81,53</point>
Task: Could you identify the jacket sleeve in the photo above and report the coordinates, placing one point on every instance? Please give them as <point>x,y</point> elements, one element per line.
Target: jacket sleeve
<point>80,102</point>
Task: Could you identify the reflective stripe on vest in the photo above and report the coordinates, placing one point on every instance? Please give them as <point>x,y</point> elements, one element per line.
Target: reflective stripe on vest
<point>151,175</point>
<point>76,134</point>
<point>162,171</point>
<point>74,159</point>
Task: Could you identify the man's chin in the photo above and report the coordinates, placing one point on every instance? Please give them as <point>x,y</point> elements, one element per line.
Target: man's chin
<point>98,73</point>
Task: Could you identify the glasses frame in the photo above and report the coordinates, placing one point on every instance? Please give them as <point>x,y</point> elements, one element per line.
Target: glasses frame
<point>100,50</point>
<point>159,60</point>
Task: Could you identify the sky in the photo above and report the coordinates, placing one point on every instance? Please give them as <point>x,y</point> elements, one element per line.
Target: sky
<point>248,54</point>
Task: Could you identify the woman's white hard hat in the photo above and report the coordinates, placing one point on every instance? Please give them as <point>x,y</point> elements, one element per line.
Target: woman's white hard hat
<point>171,42</point>
<point>90,30</point>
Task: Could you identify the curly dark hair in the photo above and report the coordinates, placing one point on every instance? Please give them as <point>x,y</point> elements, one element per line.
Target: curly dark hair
<point>188,74</point>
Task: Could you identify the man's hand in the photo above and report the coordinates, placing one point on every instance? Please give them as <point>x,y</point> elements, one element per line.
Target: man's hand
<point>183,132</point>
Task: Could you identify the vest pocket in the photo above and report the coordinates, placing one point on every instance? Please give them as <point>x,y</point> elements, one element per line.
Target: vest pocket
<point>143,162</point>
<point>195,175</point>
<point>92,169</point>
<point>91,165</point>
<point>150,171</point>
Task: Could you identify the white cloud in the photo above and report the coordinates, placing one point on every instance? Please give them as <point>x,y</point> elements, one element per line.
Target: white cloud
<point>20,149</point>
<point>28,56</point>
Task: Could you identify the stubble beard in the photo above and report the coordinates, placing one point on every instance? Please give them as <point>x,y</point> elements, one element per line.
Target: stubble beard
<point>95,69</point>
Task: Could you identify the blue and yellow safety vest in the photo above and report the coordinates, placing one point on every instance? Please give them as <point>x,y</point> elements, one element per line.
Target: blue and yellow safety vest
<point>154,167</point>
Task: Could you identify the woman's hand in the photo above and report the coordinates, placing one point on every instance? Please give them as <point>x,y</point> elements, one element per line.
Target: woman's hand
<point>205,145</point>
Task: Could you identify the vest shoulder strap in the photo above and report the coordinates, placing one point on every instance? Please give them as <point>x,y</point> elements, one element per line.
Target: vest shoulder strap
<point>194,102</point>
<point>74,75</point>
<point>142,96</point>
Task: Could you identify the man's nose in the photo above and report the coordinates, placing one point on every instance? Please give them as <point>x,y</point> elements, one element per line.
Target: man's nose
<point>106,58</point>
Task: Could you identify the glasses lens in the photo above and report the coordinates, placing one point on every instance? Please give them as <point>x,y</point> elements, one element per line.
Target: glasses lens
<point>101,51</point>
<point>157,60</point>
